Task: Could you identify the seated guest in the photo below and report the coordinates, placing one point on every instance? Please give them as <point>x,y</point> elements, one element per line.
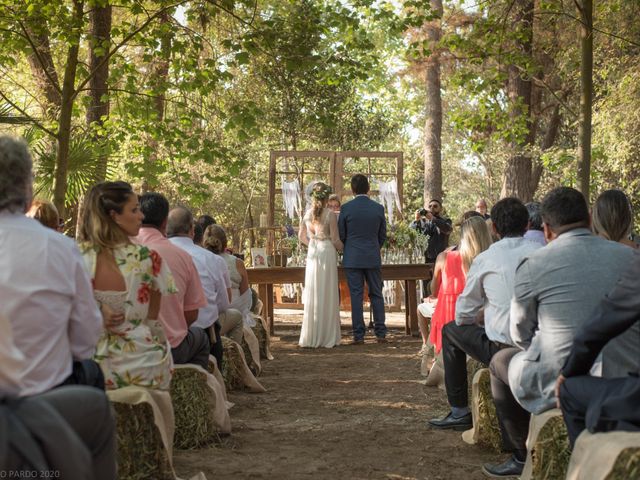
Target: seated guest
<point>198,234</point>
<point>481,328</point>
<point>48,300</point>
<point>203,222</point>
<point>128,281</point>
<point>450,272</point>
<point>481,208</point>
<point>211,270</point>
<point>231,320</point>
<point>71,427</point>
<point>534,228</point>
<point>455,266</point>
<point>44,212</point>
<point>612,219</point>
<point>178,313</point>
<point>556,288</point>
<point>241,297</point>
<point>427,308</point>
<point>600,404</point>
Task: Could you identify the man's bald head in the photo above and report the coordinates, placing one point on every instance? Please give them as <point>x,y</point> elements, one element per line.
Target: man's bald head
<point>180,222</point>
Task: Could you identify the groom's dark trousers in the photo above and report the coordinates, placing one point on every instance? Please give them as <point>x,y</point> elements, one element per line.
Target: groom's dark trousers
<point>355,279</point>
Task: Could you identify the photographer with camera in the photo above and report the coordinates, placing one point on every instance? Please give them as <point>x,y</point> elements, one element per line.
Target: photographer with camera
<point>430,222</point>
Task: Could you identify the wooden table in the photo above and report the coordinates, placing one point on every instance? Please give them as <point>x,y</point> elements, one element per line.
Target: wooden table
<point>265,278</point>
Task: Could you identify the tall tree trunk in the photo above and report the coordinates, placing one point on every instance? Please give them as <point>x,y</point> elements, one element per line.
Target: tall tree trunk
<point>517,176</point>
<point>160,75</point>
<point>433,110</point>
<point>547,142</point>
<point>43,70</point>
<point>586,76</point>
<point>66,113</point>
<point>98,108</point>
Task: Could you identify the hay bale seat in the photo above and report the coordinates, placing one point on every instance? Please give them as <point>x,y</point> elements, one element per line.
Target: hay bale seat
<point>141,453</point>
<point>251,349</point>
<point>548,450</point>
<point>262,336</point>
<point>486,429</point>
<point>473,366</point>
<point>605,456</point>
<point>627,465</point>
<point>551,452</point>
<point>249,357</point>
<point>194,405</point>
<point>231,365</point>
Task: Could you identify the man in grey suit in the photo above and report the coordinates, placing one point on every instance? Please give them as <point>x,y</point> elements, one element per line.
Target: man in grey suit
<point>556,289</point>
<point>363,230</point>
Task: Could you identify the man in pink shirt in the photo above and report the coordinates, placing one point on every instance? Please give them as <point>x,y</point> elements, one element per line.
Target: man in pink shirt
<point>189,344</point>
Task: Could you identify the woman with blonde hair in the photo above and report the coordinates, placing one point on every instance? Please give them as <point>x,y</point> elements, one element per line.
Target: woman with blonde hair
<point>454,265</point>
<point>449,279</point>
<point>319,231</point>
<point>128,282</point>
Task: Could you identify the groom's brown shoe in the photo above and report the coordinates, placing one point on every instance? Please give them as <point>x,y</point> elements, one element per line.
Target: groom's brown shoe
<point>382,340</point>
<point>356,342</point>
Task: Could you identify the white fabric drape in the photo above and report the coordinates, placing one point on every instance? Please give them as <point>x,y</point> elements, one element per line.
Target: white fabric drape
<point>388,193</point>
<point>291,198</point>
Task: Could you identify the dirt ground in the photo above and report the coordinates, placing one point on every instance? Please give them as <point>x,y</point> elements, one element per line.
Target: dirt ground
<point>351,412</point>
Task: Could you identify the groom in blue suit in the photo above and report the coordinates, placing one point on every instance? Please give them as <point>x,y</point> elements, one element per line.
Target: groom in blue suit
<point>363,230</point>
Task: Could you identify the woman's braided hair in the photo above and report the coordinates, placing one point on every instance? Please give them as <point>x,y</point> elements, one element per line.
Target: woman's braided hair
<point>319,195</point>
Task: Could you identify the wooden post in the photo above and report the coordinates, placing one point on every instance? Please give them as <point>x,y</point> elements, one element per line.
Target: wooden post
<point>412,307</point>
<point>271,195</point>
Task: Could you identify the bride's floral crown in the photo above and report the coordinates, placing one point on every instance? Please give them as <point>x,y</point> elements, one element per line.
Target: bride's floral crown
<point>321,192</point>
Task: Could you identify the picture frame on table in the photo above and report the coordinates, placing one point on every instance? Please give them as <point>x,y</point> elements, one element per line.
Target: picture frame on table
<point>259,257</point>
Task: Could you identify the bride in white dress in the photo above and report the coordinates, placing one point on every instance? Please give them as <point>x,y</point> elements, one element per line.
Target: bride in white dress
<point>319,231</point>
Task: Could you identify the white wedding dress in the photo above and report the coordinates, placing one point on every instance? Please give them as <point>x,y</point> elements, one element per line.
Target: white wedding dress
<point>321,320</point>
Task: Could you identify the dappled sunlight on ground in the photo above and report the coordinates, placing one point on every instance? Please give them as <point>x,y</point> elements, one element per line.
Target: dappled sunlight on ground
<point>351,412</point>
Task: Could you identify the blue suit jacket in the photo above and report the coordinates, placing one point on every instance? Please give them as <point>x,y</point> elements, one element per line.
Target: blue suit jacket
<point>363,230</point>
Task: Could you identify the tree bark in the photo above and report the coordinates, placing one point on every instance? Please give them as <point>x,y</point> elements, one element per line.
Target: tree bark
<point>66,112</point>
<point>433,110</point>
<point>98,108</point>
<point>586,77</point>
<point>44,71</point>
<point>517,177</point>
<point>547,142</point>
<point>160,75</point>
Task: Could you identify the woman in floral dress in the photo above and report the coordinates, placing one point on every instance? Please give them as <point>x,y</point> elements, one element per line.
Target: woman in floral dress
<point>128,282</point>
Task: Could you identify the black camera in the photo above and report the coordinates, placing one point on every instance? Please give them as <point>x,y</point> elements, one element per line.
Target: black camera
<point>423,212</point>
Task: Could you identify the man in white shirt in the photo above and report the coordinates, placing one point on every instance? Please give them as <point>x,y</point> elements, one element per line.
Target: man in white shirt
<point>72,427</point>
<point>481,328</point>
<point>48,298</point>
<point>217,318</point>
